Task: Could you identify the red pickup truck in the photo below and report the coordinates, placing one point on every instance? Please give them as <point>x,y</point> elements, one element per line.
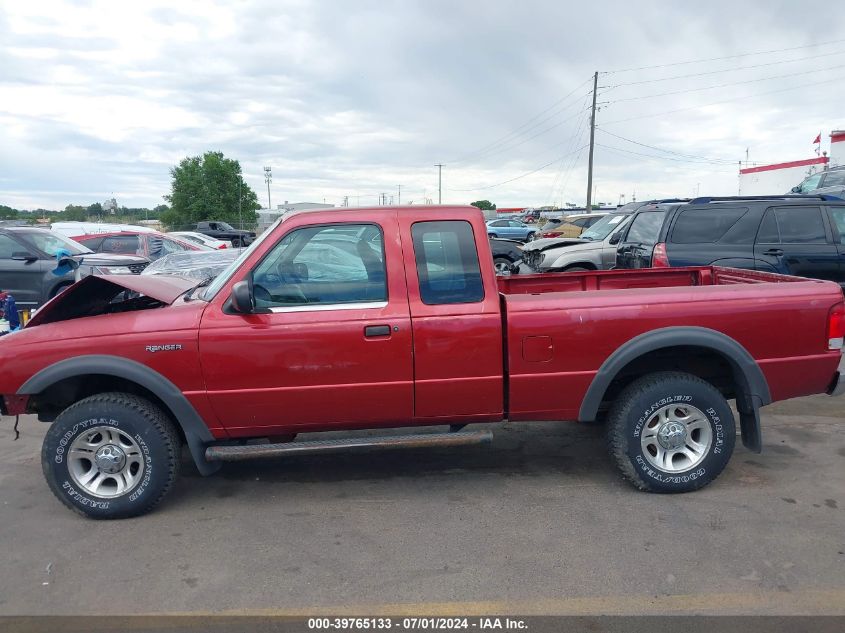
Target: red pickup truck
<point>394,317</point>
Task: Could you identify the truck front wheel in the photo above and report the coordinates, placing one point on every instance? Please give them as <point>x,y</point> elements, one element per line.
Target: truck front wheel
<point>670,432</point>
<point>111,456</point>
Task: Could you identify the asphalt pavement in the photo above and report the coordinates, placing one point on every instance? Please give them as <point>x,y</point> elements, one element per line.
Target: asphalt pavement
<point>538,522</point>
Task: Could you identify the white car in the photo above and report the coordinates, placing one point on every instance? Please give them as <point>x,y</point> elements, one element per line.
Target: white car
<point>199,238</point>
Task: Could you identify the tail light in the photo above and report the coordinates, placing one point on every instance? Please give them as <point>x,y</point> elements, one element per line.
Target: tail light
<point>547,234</point>
<point>836,326</point>
<point>659,259</point>
<point>221,247</point>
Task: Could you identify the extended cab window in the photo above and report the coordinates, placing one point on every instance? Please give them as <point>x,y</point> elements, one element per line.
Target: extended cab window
<point>696,226</point>
<point>447,262</point>
<point>646,227</point>
<point>320,265</point>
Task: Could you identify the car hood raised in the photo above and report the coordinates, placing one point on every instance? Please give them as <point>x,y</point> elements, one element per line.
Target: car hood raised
<point>94,295</point>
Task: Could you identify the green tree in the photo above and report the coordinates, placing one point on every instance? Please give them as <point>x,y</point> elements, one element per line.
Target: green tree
<point>8,213</point>
<point>484,205</point>
<point>95,209</point>
<point>74,213</point>
<point>207,188</point>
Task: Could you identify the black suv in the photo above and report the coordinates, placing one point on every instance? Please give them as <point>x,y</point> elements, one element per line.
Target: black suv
<point>794,235</point>
<point>28,259</point>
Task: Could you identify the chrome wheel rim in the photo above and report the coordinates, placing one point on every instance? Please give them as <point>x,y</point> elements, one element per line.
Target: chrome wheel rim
<point>105,462</point>
<point>676,438</point>
<point>502,268</point>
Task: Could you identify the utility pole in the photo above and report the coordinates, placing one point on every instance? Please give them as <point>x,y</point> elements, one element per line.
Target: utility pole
<point>240,217</point>
<point>439,183</point>
<point>268,177</point>
<point>592,143</point>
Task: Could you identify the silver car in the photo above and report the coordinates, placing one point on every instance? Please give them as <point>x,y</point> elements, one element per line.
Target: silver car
<point>594,250</point>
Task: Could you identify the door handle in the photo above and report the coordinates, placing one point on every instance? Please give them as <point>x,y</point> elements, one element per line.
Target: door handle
<point>376,330</point>
<point>773,251</point>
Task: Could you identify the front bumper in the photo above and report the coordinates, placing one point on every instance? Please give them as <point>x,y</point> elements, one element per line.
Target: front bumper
<point>837,386</point>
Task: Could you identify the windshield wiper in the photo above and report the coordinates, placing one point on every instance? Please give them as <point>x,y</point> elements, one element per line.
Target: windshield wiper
<point>202,284</point>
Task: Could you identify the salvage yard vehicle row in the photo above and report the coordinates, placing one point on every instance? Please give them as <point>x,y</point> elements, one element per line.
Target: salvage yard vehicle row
<point>394,317</point>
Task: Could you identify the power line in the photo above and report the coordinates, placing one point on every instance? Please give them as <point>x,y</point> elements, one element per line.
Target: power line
<point>733,83</point>
<point>575,156</point>
<point>575,140</point>
<point>528,173</point>
<point>716,59</point>
<point>702,105</point>
<point>517,131</point>
<point>724,70</point>
<point>669,158</point>
<point>719,161</point>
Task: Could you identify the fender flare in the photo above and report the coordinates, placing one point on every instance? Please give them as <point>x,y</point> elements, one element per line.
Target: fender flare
<point>753,388</point>
<point>197,434</point>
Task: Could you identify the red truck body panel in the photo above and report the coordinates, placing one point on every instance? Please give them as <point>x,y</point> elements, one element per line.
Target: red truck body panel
<point>528,350</point>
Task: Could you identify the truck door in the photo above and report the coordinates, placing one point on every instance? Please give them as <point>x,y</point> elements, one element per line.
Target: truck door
<point>795,240</point>
<point>837,225</point>
<point>456,321</point>
<point>636,248</point>
<point>334,347</point>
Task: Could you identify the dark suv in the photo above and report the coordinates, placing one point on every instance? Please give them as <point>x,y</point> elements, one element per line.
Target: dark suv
<point>794,235</point>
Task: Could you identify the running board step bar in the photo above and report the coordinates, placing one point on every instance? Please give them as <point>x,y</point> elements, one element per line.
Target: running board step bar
<point>421,440</point>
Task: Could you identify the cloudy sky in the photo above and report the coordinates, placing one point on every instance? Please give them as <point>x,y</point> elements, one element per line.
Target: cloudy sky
<point>354,99</point>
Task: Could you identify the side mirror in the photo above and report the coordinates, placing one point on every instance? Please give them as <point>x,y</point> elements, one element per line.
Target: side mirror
<point>614,239</point>
<point>796,189</point>
<point>23,256</point>
<point>241,298</point>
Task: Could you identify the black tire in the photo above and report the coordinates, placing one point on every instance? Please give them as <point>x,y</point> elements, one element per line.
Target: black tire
<point>237,243</point>
<point>493,235</point>
<point>530,237</point>
<point>576,269</point>
<point>157,446</point>
<point>636,408</point>
<point>503,263</point>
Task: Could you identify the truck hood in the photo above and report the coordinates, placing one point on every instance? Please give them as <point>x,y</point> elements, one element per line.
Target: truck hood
<point>545,243</point>
<point>96,295</point>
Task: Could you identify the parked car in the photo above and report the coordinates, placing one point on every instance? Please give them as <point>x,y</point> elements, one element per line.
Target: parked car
<point>151,245</point>
<point>28,261</point>
<point>829,182</point>
<point>223,231</point>
<point>70,229</point>
<point>511,229</point>
<point>794,235</point>
<point>507,254</point>
<point>200,238</point>
<point>416,330</point>
<point>594,250</point>
<point>570,225</point>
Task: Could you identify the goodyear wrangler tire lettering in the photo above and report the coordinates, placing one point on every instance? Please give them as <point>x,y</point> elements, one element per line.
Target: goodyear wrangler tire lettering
<point>670,432</point>
<point>111,455</point>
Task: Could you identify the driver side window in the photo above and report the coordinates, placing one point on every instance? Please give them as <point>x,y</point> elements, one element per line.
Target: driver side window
<point>323,265</point>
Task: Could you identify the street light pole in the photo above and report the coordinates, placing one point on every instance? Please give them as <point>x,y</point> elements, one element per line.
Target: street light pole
<point>268,177</point>
<point>439,183</point>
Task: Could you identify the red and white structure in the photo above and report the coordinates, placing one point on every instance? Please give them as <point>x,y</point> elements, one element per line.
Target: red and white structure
<point>781,177</point>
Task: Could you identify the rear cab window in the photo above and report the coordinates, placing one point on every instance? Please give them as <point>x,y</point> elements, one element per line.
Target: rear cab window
<point>447,262</point>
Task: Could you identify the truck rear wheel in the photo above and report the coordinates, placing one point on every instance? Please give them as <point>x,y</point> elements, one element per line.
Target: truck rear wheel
<point>111,456</point>
<point>670,432</point>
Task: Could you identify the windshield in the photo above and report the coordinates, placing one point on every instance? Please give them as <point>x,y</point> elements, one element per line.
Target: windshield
<point>224,227</point>
<point>51,243</point>
<point>604,227</point>
<point>223,277</point>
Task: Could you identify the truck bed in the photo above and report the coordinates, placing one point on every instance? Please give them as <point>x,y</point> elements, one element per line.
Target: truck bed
<point>644,278</point>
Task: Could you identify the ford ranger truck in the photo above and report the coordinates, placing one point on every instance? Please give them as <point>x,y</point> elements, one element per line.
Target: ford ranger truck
<point>394,317</point>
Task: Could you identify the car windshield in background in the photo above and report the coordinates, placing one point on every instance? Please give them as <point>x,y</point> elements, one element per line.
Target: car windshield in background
<point>604,227</point>
<point>224,227</point>
<point>51,243</point>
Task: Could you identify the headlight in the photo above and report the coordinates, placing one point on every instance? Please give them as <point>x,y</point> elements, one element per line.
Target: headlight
<point>113,270</point>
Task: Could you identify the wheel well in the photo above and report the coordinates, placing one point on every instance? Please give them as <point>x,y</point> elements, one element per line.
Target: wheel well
<point>705,363</point>
<point>588,265</point>
<point>57,397</point>
<point>57,288</point>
